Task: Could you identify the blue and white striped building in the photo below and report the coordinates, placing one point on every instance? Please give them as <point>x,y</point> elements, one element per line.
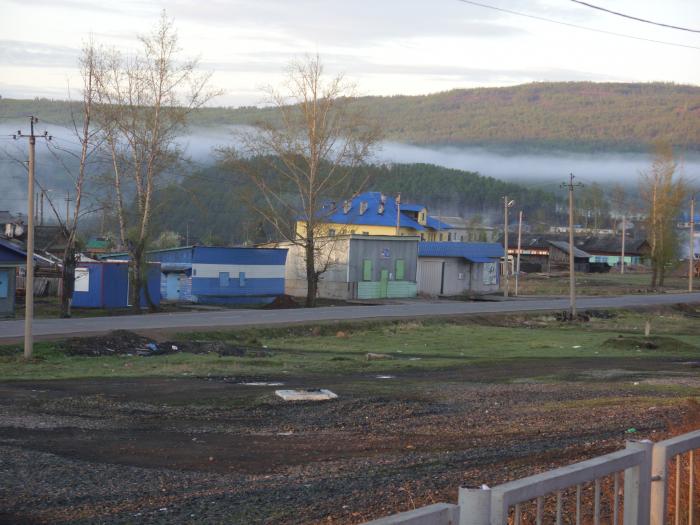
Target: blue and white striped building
<point>217,275</point>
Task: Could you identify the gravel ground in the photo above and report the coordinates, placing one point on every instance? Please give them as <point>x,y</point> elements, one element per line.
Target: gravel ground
<point>210,451</point>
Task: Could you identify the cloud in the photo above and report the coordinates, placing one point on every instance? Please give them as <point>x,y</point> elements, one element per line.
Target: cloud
<point>25,53</point>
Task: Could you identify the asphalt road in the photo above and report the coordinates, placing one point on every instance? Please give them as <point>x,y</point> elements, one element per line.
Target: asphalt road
<point>43,328</point>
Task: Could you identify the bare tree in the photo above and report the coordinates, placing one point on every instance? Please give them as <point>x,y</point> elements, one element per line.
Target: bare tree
<point>662,191</point>
<point>307,155</point>
<point>145,101</point>
<point>86,133</point>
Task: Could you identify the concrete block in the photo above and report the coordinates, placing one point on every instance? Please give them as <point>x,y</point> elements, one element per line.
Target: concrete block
<point>311,394</point>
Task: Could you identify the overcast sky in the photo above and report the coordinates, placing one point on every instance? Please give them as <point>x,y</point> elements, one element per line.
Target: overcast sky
<point>387,46</point>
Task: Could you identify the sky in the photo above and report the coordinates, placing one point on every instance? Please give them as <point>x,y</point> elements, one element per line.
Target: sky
<point>386,47</point>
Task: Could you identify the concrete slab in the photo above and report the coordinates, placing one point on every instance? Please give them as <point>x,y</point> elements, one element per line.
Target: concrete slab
<point>310,394</point>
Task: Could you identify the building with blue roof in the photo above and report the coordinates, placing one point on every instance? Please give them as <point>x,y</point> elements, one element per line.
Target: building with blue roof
<point>219,275</point>
<point>373,213</point>
<point>458,268</point>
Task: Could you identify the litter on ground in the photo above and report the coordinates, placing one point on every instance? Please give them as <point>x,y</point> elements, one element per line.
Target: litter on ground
<point>311,394</point>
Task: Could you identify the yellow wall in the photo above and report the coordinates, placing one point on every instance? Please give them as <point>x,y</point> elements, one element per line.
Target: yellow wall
<point>361,229</point>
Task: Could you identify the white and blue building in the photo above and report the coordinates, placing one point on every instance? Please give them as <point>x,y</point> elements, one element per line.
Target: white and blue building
<point>219,275</point>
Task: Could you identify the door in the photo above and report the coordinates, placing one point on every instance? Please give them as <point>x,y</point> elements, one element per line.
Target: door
<point>430,277</point>
<point>172,287</point>
<point>4,283</point>
<point>384,283</point>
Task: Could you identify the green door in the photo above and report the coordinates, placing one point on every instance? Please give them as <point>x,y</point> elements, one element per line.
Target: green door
<point>384,283</point>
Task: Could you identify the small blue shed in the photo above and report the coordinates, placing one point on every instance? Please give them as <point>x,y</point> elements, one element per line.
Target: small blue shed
<point>11,257</point>
<point>105,284</point>
<point>219,275</point>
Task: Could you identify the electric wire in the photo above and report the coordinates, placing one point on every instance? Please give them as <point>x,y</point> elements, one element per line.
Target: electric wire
<point>617,13</point>
<point>569,24</point>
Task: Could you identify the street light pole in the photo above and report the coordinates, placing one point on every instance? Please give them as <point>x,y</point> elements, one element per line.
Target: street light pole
<point>691,253</point>
<point>506,204</point>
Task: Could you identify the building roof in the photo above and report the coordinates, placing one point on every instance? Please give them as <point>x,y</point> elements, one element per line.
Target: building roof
<point>599,245</point>
<point>480,252</point>
<point>564,246</point>
<point>371,216</point>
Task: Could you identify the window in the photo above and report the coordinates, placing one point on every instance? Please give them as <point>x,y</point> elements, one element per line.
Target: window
<point>365,233</point>
<point>366,270</point>
<point>223,279</point>
<point>400,269</point>
<point>331,232</point>
<point>241,279</point>
<point>363,207</point>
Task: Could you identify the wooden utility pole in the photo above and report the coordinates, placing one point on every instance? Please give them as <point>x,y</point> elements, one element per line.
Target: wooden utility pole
<point>517,264</point>
<point>691,253</point>
<point>624,236</point>
<point>398,214</point>
<point>572,275</point>
<point>29,278</point>
<point>68,201</point>
<point>506,204</point>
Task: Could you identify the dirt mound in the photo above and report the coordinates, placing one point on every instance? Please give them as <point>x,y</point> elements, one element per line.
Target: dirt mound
<point>281,302</point>
<point>657,342</point>
<point>123,342</point>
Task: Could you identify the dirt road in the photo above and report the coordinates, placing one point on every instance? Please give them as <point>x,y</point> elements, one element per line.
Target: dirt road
<point>211,450</point>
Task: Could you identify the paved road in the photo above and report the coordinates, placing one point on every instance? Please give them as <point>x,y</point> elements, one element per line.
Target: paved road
<point>44,328</point>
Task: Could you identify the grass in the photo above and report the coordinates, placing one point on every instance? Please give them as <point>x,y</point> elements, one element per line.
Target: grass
<point>596,284</point>
<point>412,347</point>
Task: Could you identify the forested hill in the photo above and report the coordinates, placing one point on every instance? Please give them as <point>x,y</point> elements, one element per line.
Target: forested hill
<point>210,200</point>
<point>566,115</point>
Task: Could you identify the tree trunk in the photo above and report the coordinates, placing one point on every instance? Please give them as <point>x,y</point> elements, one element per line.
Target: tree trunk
<point>311,276</point>
<point>135,280</point>
<point>68,282</point>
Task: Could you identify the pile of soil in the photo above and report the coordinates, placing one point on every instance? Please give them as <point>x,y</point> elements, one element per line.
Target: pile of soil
<point>124,342</point>
<point>654,342</point>
<point>282,302</point>
<point>585,316</point>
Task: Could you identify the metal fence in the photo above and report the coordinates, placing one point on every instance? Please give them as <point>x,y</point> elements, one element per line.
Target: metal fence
<point>643,484</point>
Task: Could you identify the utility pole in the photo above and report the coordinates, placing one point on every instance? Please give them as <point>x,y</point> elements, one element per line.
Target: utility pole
<point>517,264</point>
<point>691,253</point>
<point>398,214</point>
<point>506,205</point>
<point>624,236</point>
<point>29,279</point>
<point>41,211</point>
<point>68,201</point>
<point>572,276</point>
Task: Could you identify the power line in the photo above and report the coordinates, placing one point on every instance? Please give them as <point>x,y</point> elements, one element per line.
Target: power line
<point>634,17</point>
<point>568,24</point>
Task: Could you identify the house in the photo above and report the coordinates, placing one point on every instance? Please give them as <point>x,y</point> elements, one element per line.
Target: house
<point>534,252</point>
<point>465,230</point>
<point>96,246</point>
<point>12,256</point>
<point>458,268</point>
<point>105,284</point>
<point>373,213</point>
<point>357,267</point>
<point>219,275</point>
<point>608,250</point>
<point>559,257</point>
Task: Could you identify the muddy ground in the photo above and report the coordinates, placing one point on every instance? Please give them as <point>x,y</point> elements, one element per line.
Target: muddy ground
<point>213,450</point>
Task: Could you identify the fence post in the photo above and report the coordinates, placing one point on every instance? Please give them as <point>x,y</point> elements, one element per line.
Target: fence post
<point>659,484</point>
<point>638,485</point>
<point>474,506</point>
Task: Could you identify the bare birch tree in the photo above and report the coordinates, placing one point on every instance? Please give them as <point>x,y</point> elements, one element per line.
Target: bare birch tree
<point>306,156</point>
<point>145,101</point>
<point>663,192</point>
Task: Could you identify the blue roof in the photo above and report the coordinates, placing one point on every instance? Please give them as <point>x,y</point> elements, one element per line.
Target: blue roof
<point>481,252</point>
<point>11,252</point>
<point>372,217</point>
